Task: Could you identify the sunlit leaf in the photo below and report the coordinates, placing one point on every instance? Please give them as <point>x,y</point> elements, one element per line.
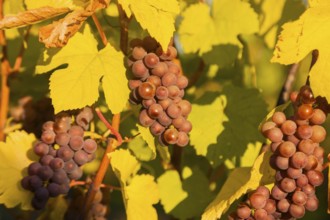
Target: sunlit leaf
<point>148,137</point>
<point>15,157</point>
<point>240,181</point>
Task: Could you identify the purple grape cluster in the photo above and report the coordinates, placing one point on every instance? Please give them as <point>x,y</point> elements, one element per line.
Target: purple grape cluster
<point>159,86</point>
<point>62,150</point>
<point>297,158</point>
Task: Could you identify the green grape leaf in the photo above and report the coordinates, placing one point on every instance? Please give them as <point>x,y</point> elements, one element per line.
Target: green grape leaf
<point>202,27</point>
<point>196,185</point>
<point>32,4</point>
<point>148,137</point>
<point>240,181</point>
<point>55,209</point>
<point>123,164</point>
<point>77,69</point>
<point>299,38</point>
<point>16,155</point>
<point>157,17</point>
<point>170,189</point>
<point>221,55</point>
<point>141,194</point>
<point>140,149</point>
<point>245,109</point>
<point>205,132</point>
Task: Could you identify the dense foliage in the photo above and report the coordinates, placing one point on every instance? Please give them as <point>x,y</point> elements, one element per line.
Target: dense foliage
<point>180,91</point>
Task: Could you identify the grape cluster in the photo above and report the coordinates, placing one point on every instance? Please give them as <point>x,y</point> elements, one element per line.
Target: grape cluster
<point>62,150</point>
<point>159,86</point>
<point>297,158</point>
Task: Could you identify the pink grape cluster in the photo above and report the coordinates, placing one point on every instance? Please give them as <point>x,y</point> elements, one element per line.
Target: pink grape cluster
<point>297,158</point>
<point>159,86</point>
<point>62,150</point>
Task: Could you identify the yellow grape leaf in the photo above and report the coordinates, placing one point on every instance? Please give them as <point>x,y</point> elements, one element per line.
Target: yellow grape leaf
<point>77,70</point>
<point>297,39</point>
<point>141,194</point>
<point>157,17</point>
<point>203,27</point>
<point>170,189</point>
<point>240,181</point>
<point>15,157</point>
<point>124,164</point>
<point>32,4</point>
<point>148,137</point>
<point>208,129</point>
<point>140,149</point>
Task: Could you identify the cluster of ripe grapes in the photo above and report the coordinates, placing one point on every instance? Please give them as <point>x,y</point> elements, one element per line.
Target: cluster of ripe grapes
<point>62,150</point>
<point>98,210</point>
<point>158,85</point>
<point>297,158</point>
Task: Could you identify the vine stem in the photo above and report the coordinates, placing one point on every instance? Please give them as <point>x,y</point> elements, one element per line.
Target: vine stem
<point>112,144</point>
<point>5,70</point>
<point>124,21</point>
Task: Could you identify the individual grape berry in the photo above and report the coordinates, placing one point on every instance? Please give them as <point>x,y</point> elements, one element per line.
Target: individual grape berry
<point>318,117</point>
<point>186,126</point>
<point>292,138</point>
<point>298,160</point>
<point>69,166</point>
<point>56,164</point>
<point>302,181</point>
<point>277,193</point>
<point>25,183</point>
<point>169,79</point>
<point>35,182</point>
<point>155,111</point>
<point>274,134</point>
<point>312,203</point>
<point>162,93</point>
<point>41,149</point>
<point>80,157</point>
<point>173,110</point>
<point>243,211</point>
<point>54,189</point>
<point>266,126</point>
<point>288,185</point>
<point>315,177</point>
<point>185,107</point>
<point>90,146</point>
<point>33,168</point>
<point>260,214</point>
<point>183,139</point>
<point>286,149</point>
<point>305,111</point>
<point>155,80</point>
<point>164,120</point>
<point>146,103</point>
<point>62,124</point>
<point>48,125</point>
<point>48,137</point>
<point>165,103</point>
<point>38,204</point>
<point>309,190</point>
<point>293,172</point>
<point>138,53</point>
<point>62,139</point>
<point>312,163</point>
<point>289,127</point>
<point>60,177</point>
<point>257,201</point>
<point>178,122</point>
<point>304,131</point>
<point>144,118</point>
<point>182,82</point>
<point>297,211</point>
<point>281,163</point>
<point>299,198</point>
<point>278,118</point>
<point>270,206</point>
<point>76,174</point>
<point>171,136</point>
<point>41,194</point>
<point>306,95</point>
<point>283,205</point>
<point>134,83</point>
<point>146,90</point>
<point>160,69</point>
<point>76,143</point>
<point>65,153</point>
<point>157,129</point>
<point>173,92</point>
<point>139,70</point>
<point>318,134</point>
<point>318,152</point>
<point>45,160</point>
<point>45,173</point>
<point>151,60</point>
<point>306,146</point>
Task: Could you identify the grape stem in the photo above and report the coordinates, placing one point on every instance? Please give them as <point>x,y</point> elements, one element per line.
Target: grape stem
<point>124,21</point>
<point>108,125</point>
<point>84,183</point>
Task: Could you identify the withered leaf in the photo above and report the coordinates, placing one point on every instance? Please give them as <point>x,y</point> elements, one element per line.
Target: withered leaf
<point>59,32</point>
<point>31,16</point>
